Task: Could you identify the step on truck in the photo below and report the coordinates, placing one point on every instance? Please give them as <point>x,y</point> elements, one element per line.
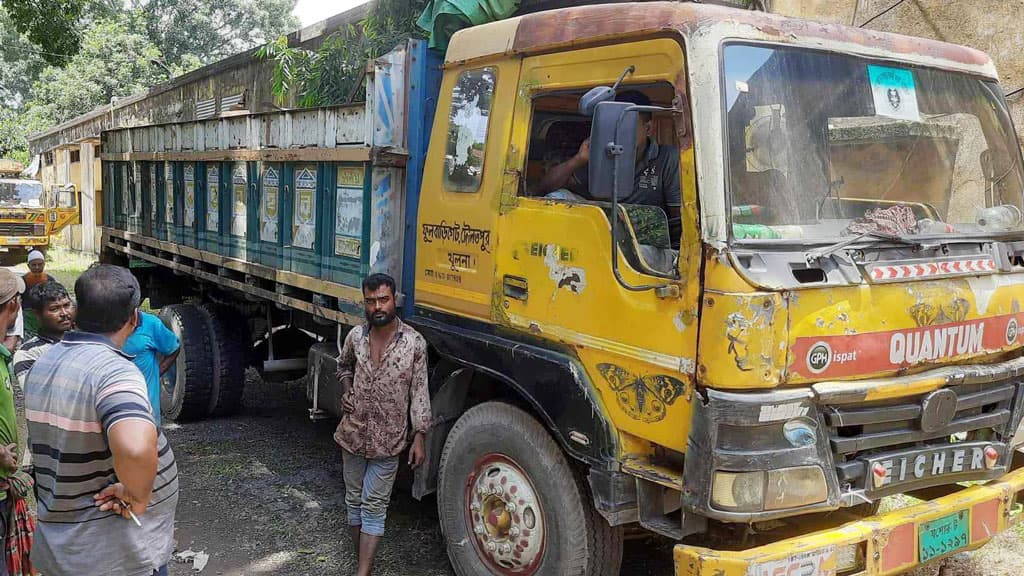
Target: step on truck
<point>829,312</point>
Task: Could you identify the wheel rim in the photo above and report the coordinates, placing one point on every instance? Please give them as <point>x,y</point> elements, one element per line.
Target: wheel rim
<point>504,516</point>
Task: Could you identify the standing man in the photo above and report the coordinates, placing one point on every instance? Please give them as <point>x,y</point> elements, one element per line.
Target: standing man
<point>36,274</point>
<point>51,305</point>
<point>11,288</point>
<point>155,349</point>
<point>29,323</point>
<point>383,370</point>
<point>95,444</point>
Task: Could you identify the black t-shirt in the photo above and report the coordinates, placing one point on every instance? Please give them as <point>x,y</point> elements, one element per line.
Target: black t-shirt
<point>655,180</point>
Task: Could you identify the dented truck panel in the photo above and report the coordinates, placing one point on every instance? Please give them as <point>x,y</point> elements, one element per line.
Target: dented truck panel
<point>892,329</point>
<point>742,339</point>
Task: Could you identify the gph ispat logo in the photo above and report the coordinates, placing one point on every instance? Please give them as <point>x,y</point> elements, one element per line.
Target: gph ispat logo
<point>819,357</point>
<point>1011,331</point>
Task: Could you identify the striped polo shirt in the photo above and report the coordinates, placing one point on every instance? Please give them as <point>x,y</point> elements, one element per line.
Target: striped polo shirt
<point>75,392</point>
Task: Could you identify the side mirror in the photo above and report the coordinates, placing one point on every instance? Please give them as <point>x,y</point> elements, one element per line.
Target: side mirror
<point>612,150</point>
<point>593,97</point>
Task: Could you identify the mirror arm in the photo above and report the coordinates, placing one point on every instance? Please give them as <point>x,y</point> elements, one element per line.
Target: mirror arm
<point>615,150</point>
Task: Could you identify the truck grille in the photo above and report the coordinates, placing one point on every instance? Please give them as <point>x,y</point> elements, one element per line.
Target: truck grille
<point>890,425</point>
<point>986,412</point>
<point>15,229</point>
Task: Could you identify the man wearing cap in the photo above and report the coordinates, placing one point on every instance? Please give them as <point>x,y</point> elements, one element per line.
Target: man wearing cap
<point>656,173</point>
<point>36,275</point>
<point>11,288</point>
<point>28,323</point>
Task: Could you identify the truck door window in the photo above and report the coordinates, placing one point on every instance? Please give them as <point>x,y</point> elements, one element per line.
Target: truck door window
<point>556,134</point>
<point>468,122</point>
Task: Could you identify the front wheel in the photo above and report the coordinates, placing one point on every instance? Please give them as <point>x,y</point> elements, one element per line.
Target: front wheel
<point>510,503</point>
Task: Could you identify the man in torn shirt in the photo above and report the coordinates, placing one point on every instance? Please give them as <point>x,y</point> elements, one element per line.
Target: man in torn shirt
<point>383,370</point>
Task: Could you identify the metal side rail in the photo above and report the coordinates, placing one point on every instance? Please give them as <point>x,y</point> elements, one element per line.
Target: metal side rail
<point>888,543</point>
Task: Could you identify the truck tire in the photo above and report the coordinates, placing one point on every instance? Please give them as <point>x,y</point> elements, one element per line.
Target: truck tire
<point>186,394</point>
<point>227,332</point>
<point>510,503</point>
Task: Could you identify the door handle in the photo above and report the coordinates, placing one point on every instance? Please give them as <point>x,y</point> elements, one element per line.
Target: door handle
<point>515,287</point>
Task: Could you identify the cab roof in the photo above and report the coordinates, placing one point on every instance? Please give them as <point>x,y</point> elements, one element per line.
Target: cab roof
<point>597,24</point>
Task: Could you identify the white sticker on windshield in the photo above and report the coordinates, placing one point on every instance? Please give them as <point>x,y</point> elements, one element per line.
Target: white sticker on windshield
<point>894,92</point>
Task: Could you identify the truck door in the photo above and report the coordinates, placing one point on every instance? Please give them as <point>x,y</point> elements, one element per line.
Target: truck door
<point>462,181</point>
<point>554,257</point>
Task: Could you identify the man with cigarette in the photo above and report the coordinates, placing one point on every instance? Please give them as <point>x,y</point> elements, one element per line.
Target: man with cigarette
<point>106,478</point>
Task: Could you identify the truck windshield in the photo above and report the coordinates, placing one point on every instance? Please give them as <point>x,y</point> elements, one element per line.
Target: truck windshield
<point>22,193</point>
<point>823,146</point>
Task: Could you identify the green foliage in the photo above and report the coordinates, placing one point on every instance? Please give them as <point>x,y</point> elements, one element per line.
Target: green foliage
<point>62,58</point>
<point>333,73</point>
<point>212,31</point>
<point>20,64</point>
<point>114,61</point>
<point>52,25</point>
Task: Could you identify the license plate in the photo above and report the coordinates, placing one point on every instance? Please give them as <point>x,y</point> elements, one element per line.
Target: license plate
<point>942,536</point>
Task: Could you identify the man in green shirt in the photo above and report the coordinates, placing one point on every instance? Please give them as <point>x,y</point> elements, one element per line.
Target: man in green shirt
<point>11,288</point>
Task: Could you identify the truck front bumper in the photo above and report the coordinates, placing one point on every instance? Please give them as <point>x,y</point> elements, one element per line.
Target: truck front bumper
<point>890,542</point>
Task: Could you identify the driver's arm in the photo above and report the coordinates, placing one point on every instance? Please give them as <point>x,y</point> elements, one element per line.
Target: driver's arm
<point>560,175</point>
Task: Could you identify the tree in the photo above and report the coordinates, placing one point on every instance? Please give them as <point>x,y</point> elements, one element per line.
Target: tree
<point>213,30</point>
<point>113,61</point>
<point>52,25</point>
<point>62,58</point>
<point>333,73</point>
<point>20,64</point>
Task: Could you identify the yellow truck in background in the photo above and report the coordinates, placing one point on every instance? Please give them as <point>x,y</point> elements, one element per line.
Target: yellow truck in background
<point>29,216</point>
<point>829,313</point>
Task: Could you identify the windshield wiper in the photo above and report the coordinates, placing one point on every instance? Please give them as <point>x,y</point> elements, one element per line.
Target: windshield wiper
<point>815,255</point>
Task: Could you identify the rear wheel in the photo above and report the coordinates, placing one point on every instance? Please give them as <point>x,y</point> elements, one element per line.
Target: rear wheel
<point>228,337</point>
<point>510,503</point>
<point>186,390</point>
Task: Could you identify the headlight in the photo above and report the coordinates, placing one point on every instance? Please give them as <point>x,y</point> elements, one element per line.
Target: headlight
<point>38,229</point>
<point>785,488</point>
<point>795,487</point>
<point>739,492</point>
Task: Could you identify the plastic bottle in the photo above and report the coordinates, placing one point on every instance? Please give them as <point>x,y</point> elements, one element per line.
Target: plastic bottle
<point>755,231</point>
<point>929,226</point>
<point>1003,217</point>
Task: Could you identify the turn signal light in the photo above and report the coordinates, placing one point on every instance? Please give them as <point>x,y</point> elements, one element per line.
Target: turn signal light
<point>991,457</point>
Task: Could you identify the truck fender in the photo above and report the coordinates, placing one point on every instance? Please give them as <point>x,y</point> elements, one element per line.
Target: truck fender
<point>446,405</point>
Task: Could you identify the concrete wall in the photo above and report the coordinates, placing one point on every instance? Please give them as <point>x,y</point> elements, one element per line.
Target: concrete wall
<point>993,26</point>
<point>84,174</point>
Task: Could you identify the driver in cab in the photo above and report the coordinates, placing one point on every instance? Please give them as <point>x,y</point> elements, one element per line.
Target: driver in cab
<point>656,173</point>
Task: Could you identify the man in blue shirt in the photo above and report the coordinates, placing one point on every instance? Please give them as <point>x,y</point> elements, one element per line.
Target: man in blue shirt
<point>155,349</point>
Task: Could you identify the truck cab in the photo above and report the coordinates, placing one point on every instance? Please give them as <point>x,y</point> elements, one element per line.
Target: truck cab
<point>828,314</point>
<point>29,215</point>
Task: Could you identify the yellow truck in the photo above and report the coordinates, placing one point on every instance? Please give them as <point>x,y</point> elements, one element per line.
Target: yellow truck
<point>816,304</point>
<point>29,216</point>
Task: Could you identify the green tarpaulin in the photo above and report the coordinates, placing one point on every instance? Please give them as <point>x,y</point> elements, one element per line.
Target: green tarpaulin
<point>443,18</point>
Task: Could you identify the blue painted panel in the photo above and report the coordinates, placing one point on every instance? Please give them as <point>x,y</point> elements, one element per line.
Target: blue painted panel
<point>424,85</point>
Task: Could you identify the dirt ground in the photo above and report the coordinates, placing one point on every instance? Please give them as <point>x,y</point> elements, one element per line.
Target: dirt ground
<point>261,493</point>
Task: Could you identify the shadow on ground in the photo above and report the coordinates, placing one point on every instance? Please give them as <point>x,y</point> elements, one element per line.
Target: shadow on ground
<point>261,493</point>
